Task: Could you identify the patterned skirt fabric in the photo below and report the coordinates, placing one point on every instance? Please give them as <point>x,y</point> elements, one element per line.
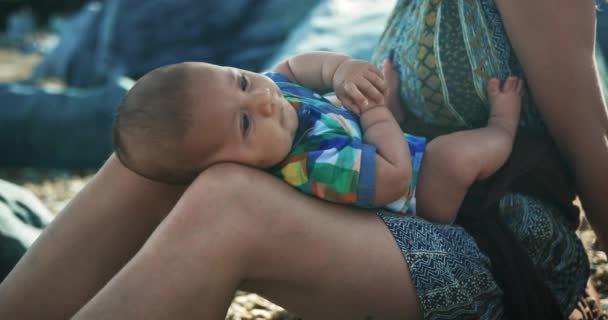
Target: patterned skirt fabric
<point>445,51</point>
<point>453,278</point>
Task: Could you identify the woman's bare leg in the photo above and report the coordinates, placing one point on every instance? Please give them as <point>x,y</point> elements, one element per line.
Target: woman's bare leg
<point>92,238</point>
<point>237,227</point>
<point>453,162</point>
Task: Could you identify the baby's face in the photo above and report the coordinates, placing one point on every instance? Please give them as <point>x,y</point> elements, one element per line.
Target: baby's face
<point>240,116</point>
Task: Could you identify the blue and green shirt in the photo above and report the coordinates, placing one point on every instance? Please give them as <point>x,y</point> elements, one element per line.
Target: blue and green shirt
<point>328,158</point>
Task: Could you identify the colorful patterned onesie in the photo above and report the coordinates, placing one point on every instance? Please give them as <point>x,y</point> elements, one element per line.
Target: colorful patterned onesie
<point>328,158</point>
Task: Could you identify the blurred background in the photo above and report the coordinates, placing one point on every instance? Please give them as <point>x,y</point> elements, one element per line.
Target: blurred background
<point>65,65</point>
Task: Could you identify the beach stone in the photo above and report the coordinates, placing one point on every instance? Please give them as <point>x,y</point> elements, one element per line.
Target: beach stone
<point>22,219</point>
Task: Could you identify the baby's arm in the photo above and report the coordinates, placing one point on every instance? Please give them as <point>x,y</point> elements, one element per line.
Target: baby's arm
<point>393,163</point>
<point>324,72</point>
<point>360,87</point>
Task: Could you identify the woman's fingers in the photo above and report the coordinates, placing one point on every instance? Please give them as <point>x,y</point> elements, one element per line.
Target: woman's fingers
<point>353,93</point>
<point>377,80</point>
<point>391,77</point>
<point>350,105</point>
<point>393,101</point>
<point>371,92</point>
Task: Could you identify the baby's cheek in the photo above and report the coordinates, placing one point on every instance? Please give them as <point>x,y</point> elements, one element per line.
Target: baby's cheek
<point>285,147</point>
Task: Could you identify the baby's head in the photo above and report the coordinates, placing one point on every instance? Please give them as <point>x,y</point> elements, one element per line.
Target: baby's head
<point>180,119</point>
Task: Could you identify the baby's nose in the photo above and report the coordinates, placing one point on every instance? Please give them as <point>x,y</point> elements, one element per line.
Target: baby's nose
<point>263,102</point>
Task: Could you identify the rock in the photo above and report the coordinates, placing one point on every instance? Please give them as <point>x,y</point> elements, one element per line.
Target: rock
<point>57,128</point>
<point>22,219</point>
<point>261,314</point>
<point>131,37</point>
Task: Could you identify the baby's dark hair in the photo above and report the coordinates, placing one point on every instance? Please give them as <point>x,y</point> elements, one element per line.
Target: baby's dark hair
<point>151,123</point>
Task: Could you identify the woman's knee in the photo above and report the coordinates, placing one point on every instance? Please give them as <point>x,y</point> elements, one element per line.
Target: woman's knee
<point>223,187</point>
<point>225,201</point>
<point>223,181</point>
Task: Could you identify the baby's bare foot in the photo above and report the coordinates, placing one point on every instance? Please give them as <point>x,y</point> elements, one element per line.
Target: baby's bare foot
<point>499,134</point>
<point>505,104</point>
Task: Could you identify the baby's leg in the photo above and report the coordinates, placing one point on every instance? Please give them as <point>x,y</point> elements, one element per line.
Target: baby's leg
<point>454,161</point>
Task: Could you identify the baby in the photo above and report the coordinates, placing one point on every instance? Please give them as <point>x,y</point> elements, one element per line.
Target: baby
<point>180,119</point>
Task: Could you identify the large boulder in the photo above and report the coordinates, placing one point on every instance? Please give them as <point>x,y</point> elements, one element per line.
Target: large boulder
<point>65,128</point>
<point>131,37</point>
<point>70,128</point>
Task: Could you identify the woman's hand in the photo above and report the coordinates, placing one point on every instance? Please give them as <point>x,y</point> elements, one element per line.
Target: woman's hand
<point>393,95</point>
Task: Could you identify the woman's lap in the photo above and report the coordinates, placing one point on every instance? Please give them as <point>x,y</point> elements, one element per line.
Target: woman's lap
<point>319,260</point>
<point>453,278</point>
<point>552,245</point>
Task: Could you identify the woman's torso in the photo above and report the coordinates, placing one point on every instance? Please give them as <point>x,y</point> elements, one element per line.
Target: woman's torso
<point>445,51</point>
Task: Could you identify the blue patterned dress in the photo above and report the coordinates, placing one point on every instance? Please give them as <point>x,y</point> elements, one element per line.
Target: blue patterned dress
<point>445,51</point>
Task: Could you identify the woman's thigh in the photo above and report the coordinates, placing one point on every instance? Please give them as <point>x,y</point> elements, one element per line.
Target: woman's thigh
<point>317,259</point>
<point>322,260</point>
<point>237,227</point>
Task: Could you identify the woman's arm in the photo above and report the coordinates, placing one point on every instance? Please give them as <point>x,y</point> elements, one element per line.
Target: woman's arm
<point>555,40</point>
<point>90,240</point>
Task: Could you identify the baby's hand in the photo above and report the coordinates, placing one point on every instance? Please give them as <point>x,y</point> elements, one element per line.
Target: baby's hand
<point>359,85</point>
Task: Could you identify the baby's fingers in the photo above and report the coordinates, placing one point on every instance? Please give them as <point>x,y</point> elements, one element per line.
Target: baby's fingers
<point>353,94</point>
<point>371,92</point>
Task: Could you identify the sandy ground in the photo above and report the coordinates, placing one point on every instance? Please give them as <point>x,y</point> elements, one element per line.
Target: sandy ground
<point>56,187</point>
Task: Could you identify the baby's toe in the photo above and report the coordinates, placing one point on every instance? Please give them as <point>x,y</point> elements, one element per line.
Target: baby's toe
<point>493,87</point>
<point>510,84</point>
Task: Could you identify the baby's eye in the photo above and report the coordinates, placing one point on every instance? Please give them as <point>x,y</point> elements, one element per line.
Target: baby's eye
<point>244,83</point>
<point>245,124</point>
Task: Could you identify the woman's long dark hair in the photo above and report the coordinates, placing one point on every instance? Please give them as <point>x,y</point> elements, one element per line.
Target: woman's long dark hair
<point>535,168</point>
